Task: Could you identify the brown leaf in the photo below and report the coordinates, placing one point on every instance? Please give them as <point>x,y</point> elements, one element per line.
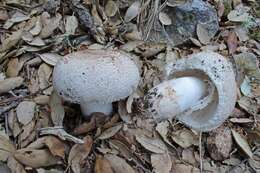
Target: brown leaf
<point>49,24</point>
<point>25,111</point>
<point>78,153</point>
<point>13,123</point>
<point>185,138</point>
<point>37,27</point>
<point>108,133</point>
<point>15,166</point>
<point>3,15</point>
<point>203,34</point>
<point>35,158</point>
<point>11,41</point>
<point>44,73</point>
<point>12,67</point>
<point>118,164</point>
<point>102,165</point>
<point>85,127</point>
<point>57,109</point>
<point>55,145</point>
<point>10,83</point>
<point>111,8</point>
<point>155,145</point>
<point>162,129</point>
<point>242,143</point>
<point>50,58</point>
<point>42,99</point>
<point>219,143</point>
<point>6,147</point>
<point>27,130</point>
<point>161,163</point>
<point>232,42</point>
<point>182,168</point>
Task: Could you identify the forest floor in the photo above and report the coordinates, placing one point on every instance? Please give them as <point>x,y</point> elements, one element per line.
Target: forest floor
<point>40,132</point>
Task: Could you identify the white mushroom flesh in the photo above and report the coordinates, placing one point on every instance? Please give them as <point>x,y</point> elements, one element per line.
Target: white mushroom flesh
<point>99,76</point>
<point>207,114</point>
<point>170,98</point>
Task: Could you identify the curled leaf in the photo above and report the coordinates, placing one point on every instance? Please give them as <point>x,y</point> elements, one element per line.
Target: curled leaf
<point>132,11</point>
<point>35,158</point>
<point>242,143</point>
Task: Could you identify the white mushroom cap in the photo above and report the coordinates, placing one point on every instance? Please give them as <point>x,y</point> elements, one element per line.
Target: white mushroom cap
<point>101,76</point>
<point>206,66</point>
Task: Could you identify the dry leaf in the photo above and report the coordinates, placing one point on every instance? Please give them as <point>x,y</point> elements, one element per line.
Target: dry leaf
<point>12,67</point>
<point>3,15</point>
<point>35,158</point>
<point>203,34</point>
<point>182,168</point>
<point>57,109</point>
<point>102,165</point>
<point>49,24</point>
<point>11,41</point>
<point>37,27</point>
<point>25,111</point>
<point>161,163</point>
<point>108,133</point>
<point>44,73</point>
<point>238,16</point>
<point>174,3</point>
<point>71,24</point>
<point>118,164</point>
<point>111,8</point>
<point>61,133</point>
<point>165,19</point>
<point>219,143</point>
<point>188,156</point>
<point>27,36</point>
<point>26,131</point>
<point>6,147</point>
<point>13,123</point>
<point>37,41</point>
<point>15,166</point>
<point>232,42</point>
<point>16,18</point>
<point>50,58</point>
<point>242,34</point>
<point>152,144</point>
<point>242,143</point>
<point>85,127</point>
<point>78,153</point>
<point>241,120</point>
<point>42,99</point>
<point>185,138</point>
<point>162,129</point>
<point>132,11</point>
<point>10,83</point>
<point>56,146</point>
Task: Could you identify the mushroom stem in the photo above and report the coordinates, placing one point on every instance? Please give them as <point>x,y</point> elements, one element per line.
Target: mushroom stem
<point>88,108</point>
<point>177,95</point>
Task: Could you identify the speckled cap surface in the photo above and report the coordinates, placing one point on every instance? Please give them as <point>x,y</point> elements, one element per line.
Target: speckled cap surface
<point>95,75</point>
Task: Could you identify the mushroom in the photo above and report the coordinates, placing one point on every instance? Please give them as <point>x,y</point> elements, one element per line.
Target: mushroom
<point>95,78</point>
<point>200,91</point>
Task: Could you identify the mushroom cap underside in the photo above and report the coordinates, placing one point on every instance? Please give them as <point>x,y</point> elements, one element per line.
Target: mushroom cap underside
<point>220,72</point>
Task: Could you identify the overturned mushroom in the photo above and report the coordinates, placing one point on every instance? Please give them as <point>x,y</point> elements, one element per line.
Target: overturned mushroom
<point>95,78</point>
<point>200,92</point>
